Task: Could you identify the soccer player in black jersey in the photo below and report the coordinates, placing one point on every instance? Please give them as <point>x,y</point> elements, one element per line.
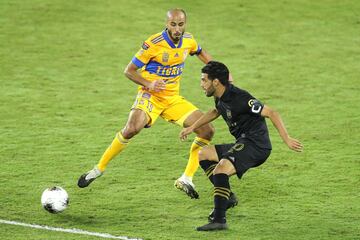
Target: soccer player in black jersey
<point>245,117</point>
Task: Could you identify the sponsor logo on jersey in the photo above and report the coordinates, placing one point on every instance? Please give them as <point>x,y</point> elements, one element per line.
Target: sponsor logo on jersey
<point>251,102</point>
<point>165,57</point>
<point>255,105</point>
<point>146,95</point>
<point>228,114</point>
<point>167,71</point>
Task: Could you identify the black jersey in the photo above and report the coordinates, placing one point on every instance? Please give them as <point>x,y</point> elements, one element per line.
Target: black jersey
<point>242,113</point>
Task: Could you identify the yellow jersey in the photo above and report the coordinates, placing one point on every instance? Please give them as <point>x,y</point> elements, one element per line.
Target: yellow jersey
<point>160,58</point>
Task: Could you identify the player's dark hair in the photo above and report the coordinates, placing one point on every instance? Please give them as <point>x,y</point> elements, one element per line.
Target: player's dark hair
<point>217,70</point>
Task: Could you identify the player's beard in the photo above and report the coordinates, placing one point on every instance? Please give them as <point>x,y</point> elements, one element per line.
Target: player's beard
<point>175,38</point>
<point>210,92</point>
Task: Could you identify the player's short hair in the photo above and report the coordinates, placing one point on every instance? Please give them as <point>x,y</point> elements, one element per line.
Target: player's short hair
<point>176,9</point>
<point>217,70</point>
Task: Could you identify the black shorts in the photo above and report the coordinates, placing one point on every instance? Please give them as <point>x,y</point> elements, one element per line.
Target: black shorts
<point>243,155</point>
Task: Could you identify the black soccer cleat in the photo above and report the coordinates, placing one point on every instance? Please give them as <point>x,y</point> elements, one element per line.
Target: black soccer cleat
<point>213,226</point>
<point>89,177</point>
<point>232,202</point>
<point>186,187</point>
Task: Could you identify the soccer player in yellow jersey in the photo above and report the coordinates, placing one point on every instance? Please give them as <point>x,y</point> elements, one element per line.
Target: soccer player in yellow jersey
<point>157,68</point>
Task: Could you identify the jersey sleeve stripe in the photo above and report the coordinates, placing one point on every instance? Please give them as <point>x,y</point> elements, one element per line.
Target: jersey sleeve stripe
<point>157,39</point>
<point>137,62</point>
<point>187,35</point>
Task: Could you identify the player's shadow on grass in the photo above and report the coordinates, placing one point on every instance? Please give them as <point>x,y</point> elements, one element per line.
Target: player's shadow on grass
<point>78,219</point>
<point>237,216</point>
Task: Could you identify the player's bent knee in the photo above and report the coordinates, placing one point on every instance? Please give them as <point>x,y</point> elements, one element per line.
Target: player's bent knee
<point>218,170</point>
<point>224,166</point>
<point>208,153</point>
<point>202,155</point>
<point>211,130</point>
<point>206,132</point>
<point>131,130</point>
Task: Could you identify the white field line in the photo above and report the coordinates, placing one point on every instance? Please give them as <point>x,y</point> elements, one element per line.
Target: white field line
<point>67,230</point>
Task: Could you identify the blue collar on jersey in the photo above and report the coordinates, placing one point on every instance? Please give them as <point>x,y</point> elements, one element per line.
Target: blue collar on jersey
<point>169,41</point>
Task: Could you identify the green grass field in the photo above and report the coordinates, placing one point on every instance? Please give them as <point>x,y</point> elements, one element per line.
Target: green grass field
<point>64,96</point>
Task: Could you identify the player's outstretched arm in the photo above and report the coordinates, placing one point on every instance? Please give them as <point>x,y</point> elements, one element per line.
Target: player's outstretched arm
<point>132,74</point>
<point>206,118</point>
<point>205,57</point>
<point>275,118</point>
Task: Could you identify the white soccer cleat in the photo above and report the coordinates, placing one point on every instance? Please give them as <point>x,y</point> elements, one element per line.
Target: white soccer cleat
<point>88,177</point>
<point>186,186</point>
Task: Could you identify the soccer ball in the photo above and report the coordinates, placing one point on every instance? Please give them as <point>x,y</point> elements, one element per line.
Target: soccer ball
<point>55,199</point>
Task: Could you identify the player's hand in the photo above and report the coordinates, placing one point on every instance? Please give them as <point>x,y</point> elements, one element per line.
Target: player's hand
<point>157,85</point>
<point>294,144</point>
<point>184,133</point>
<point>231,80</point>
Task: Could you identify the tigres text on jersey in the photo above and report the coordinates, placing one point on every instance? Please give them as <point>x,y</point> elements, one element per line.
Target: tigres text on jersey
<point>159,58</point>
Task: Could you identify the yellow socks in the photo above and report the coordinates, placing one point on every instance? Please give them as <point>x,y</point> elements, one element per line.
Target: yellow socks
<point>117,145</point>
<point>193,162</point>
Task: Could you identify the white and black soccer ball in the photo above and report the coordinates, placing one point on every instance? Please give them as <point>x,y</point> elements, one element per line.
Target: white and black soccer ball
<point>55,199</point>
